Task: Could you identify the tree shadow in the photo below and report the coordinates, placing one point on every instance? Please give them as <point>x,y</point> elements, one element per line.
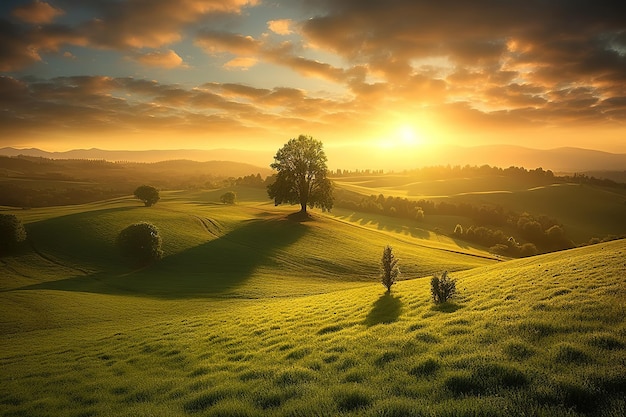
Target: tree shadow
<point>446,307</point>
<point>300,217</point>
<point>384,311</point>
<point>211,269</point>
<point>388,223</point>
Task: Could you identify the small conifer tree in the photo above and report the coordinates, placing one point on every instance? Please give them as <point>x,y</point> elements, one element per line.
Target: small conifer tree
<point>389,267</point>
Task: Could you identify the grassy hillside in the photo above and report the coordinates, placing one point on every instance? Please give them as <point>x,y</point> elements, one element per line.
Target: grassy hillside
<point>586,211</point>
<point>254,313</point>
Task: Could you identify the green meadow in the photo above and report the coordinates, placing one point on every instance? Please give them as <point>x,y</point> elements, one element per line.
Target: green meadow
<point>586,211</point>
<point>254,312</point>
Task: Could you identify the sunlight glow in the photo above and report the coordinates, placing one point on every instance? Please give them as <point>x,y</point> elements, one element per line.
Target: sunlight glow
<point>408,136</point>
<point>403,136</point>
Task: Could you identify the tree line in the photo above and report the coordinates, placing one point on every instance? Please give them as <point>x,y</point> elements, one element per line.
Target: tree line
<point>437,172</point>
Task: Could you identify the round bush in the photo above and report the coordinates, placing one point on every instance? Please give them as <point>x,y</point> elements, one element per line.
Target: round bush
<point>140,243</point>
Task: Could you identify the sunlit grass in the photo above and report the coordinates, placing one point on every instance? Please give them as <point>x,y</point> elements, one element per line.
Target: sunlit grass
<point>586,211</point>
<point>305,329</point>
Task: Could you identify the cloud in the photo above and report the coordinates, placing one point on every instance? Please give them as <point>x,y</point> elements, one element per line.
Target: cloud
<point>15,49</point>
<point>215,42</point>
<point>242,63</point>
<point>98,105</point>
<point>151,24</point>
<point>471,66</point>
<point>163,59</point>
<point>249,51</point>
<point>122,25</point>
<point>472,34</point>
<point>37,12</point>
<point>281,26</point>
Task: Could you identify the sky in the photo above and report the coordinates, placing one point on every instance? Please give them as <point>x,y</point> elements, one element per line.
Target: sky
<point>392,77</point>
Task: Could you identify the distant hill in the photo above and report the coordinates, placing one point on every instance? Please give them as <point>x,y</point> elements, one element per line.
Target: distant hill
<point>35,181</point>
<point>562,160</point>
<point>257,158</point>
<point>88,168</point>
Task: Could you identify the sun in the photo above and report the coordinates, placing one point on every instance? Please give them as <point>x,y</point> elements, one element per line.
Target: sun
<point>402,136</point>
<point>408,136</point>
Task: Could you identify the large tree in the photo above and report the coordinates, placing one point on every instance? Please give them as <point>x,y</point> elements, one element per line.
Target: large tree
<point>301,177</point>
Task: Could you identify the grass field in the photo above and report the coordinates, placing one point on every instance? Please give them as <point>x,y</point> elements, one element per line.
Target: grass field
<point>252,312</point>
<point>586,211</point>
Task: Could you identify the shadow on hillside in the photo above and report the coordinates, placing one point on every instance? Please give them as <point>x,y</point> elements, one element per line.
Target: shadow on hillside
<point>364,220</point>
<point>447,307</point>
<point>211,269</point>
<point>385,310</point>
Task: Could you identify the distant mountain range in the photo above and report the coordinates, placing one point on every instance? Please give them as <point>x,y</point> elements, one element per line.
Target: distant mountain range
<point>257,158</point>
<point>559,160</point>
<point>562,160</point>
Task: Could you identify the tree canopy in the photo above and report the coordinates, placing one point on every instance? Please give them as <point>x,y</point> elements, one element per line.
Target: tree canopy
<point>148,194</point>
<point>302,175</point>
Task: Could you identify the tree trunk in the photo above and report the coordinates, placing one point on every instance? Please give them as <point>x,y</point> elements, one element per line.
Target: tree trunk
<point>302,207</point>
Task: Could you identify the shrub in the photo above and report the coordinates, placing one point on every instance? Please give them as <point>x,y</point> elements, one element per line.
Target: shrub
<point>499,249</point>
<point>148,194</point>
<point>442,287</point>
<point>12,232</point>
<point>140,243</point>
<point>228,197</point>
<point>419,214</point>
<point>528,249</point>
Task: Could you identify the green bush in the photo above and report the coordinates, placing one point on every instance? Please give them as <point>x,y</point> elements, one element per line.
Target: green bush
<point>140,243</point>
<point>442,287</point>
<point>12,233</point>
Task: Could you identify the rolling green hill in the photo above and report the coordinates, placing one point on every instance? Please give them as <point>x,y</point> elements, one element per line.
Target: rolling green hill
<point>252,312</point>
<point>586,211</point>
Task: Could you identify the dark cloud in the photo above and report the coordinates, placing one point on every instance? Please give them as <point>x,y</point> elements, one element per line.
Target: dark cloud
<point>37,12</point>
<point>15,50</point>
<point>502,54</point>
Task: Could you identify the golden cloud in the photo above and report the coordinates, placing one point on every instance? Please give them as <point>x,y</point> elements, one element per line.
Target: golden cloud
<point>163,59</point>
<point>37,12</point>
<point>281,26</point>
